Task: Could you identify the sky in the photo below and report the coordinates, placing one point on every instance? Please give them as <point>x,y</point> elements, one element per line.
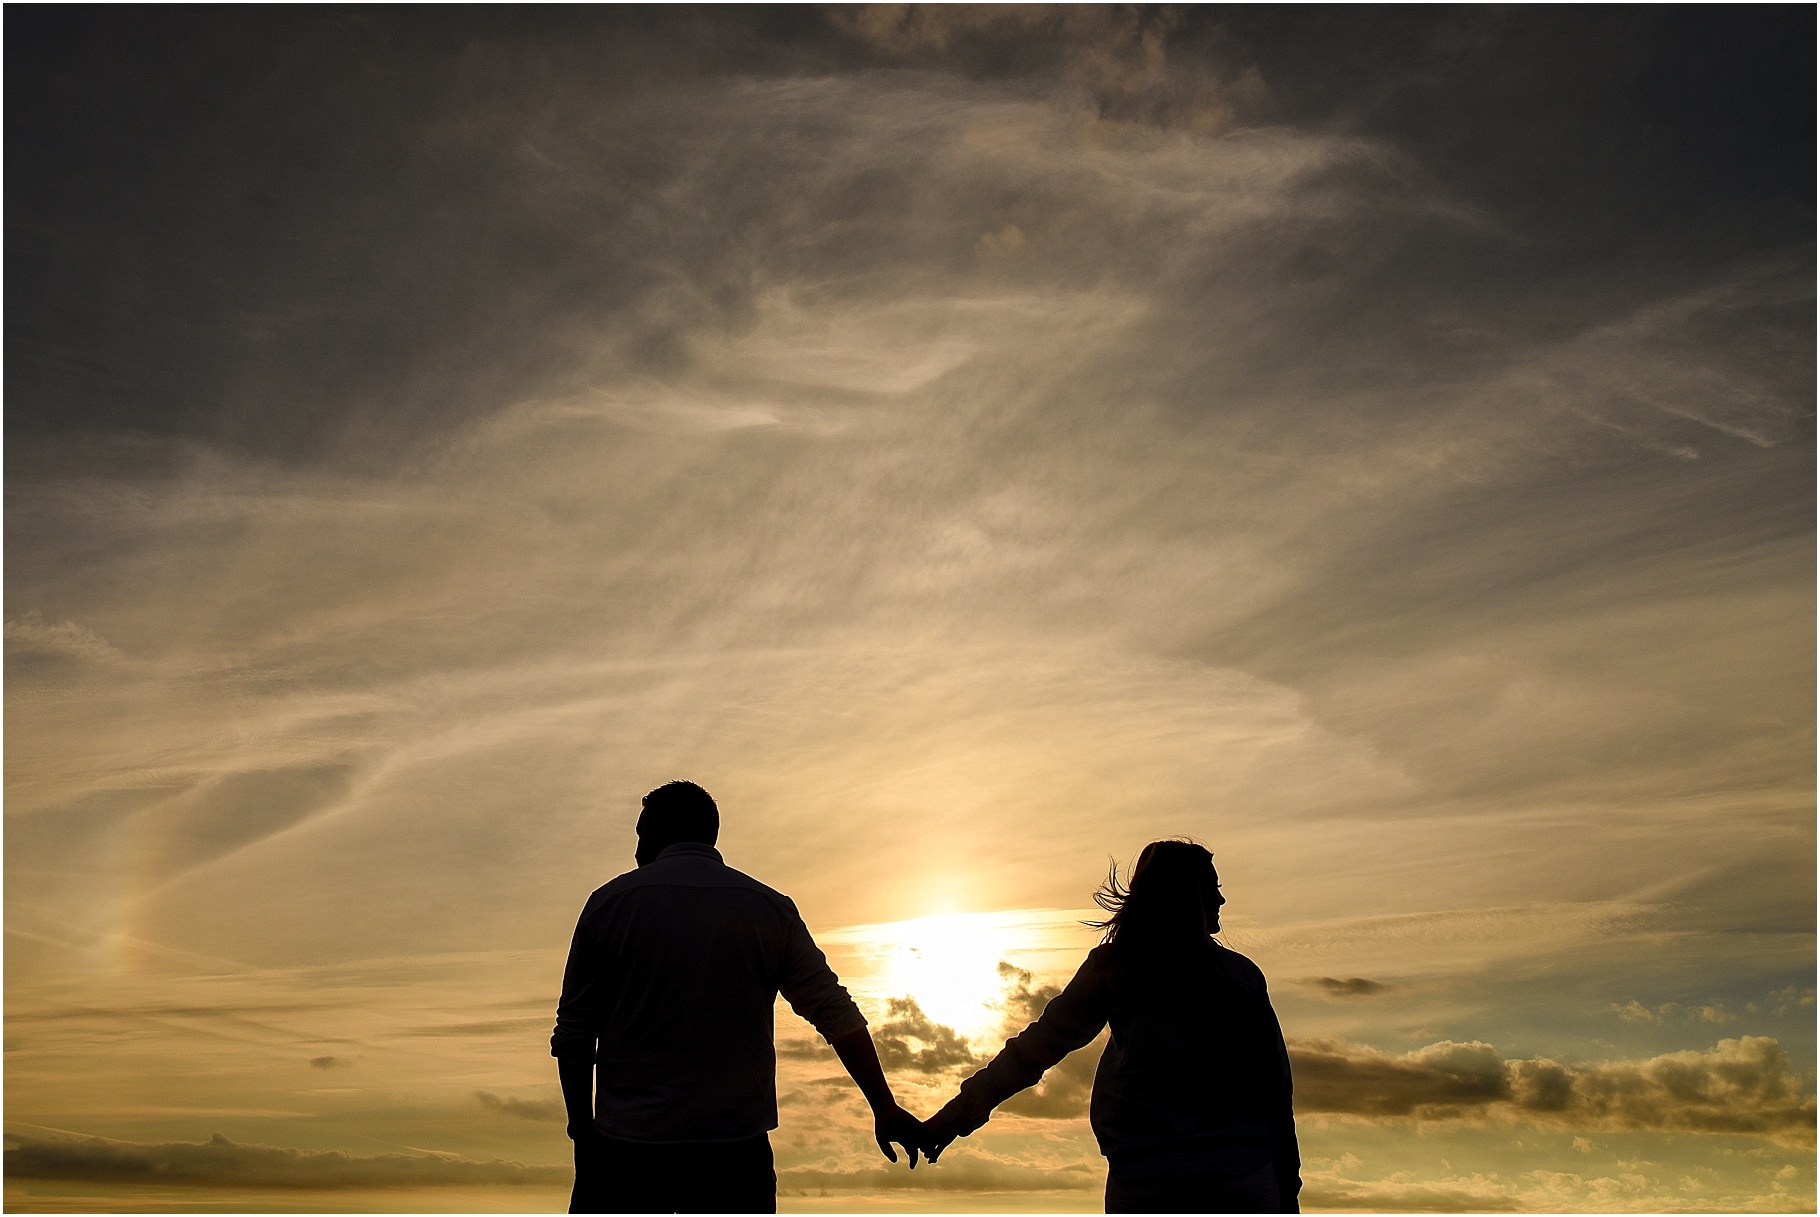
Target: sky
<point>970,442</point>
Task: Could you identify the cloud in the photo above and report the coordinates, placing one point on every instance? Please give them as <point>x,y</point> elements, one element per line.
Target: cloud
<point>236,810</point>
<point>956,1172</point>
<point>1635,1011</point>
<point>1117,60</point>
<point>1333,1076</point>
<point>489,1027</point>
<point>1442,940</point>
<point>1352,986</point>
<point>1065,1090</point>
<point>1679,375</point>
<point>54,657</point>
<point>1617,1186</point>
<point>910,1040</point>
<point>1408,1194</point>
<point>1740,1086</point>
<point>1783,1001</point>
<point>547,1110</point>
<point>804,1048</point>
<point>211,1030</point>
<point>220,1162</point>
<point>31,632</point>
<point>1007,242</point>
<point>1022,1000</point>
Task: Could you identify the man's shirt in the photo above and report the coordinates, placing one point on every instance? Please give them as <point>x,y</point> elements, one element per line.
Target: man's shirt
<point>672,979</point>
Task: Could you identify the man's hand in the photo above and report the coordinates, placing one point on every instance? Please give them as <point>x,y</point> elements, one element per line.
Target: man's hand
<point>893,1123</point>
<point>889,1121</point>
<point>576,1073</point>
<point>937,1134</point>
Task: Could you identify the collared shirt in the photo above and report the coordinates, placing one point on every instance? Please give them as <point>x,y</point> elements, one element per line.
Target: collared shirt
<point>671,983</point>
<point>1195,1076</point>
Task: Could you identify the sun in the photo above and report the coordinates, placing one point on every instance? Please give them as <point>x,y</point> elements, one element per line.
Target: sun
<point>949,963</point>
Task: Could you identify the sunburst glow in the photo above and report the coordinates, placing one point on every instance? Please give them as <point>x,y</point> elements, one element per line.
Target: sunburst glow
<point>949,963</point>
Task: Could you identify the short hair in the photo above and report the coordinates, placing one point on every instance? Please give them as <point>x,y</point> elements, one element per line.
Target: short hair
<point>680,811</point>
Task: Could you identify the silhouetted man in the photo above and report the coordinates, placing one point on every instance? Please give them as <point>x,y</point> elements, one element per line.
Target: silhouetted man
<point>664,1034</point>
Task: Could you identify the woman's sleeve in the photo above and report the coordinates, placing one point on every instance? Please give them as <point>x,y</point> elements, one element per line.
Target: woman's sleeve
<point>1285,1154</point>
<point>1070,1020</point>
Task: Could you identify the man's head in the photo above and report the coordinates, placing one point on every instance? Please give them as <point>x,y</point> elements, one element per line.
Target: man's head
<point>676,812</point>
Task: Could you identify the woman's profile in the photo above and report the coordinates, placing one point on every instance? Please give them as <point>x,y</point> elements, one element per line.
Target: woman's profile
<point>1191,1101</point>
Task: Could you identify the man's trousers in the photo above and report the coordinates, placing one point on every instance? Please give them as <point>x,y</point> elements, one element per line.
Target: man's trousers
<point>615,1176</point>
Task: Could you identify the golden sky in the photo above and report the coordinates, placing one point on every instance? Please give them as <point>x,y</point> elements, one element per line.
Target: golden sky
<point>970,442</point>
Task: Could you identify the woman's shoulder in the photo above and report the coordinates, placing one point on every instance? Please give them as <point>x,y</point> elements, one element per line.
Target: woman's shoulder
<point>1235,965</point>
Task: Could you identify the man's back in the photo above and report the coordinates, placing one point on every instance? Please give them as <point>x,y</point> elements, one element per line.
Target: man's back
<point>663,1034</point>
<point>674,970</point>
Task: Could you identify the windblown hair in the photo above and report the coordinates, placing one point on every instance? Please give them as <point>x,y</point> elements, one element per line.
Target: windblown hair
<point>1163,905</point>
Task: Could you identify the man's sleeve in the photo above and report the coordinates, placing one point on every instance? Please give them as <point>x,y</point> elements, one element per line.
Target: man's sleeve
<point>1070,1021</point>
<point>811,987</point>
<point>578,1011</point>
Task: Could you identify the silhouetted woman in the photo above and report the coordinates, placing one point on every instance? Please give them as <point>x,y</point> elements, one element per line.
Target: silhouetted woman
<point>1191,1100</point>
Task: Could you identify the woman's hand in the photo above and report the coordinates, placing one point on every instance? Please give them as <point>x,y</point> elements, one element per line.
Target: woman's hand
<point>937,1134</point>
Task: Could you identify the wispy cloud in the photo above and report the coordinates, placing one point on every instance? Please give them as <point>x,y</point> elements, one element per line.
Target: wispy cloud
<point>223,1163</point>
<point>1114,63</point>
<point>546,1110</point>
<point>64,638</point>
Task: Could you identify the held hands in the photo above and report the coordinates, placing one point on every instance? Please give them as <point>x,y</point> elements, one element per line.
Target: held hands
<point>936,1136</point>
<point>893,1123</point>
<point>927,1137</point>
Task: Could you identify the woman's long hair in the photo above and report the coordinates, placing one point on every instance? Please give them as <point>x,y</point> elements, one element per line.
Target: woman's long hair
<point>1162,907</point>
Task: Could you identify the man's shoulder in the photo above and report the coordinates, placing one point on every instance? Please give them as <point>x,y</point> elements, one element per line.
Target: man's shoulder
<point>618,883</point>
<point>742,879</point>
<point>697,870</point>
<point>716,873</point>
